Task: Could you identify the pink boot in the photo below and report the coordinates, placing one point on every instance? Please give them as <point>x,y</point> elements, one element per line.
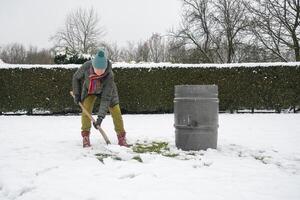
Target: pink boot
<point>85,139</point>
<point>122,139</point>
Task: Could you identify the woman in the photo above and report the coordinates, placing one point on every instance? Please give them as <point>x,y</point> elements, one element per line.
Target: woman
<point>95,79</point>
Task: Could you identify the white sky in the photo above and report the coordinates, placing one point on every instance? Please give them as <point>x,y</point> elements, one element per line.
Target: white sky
<point>32,22</point>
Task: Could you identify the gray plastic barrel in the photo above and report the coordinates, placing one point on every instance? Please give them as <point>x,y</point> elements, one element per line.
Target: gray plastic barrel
<point>196,109</point>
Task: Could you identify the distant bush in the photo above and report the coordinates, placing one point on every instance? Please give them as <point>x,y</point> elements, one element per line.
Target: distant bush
<point>144,90</point>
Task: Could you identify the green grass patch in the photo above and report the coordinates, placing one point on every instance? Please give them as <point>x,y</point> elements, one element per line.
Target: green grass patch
<point>170,155</point>
<point>102,156</point>
<point>154,147</point>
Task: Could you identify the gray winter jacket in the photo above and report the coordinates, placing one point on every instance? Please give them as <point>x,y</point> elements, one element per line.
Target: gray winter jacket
<point>106,88</point>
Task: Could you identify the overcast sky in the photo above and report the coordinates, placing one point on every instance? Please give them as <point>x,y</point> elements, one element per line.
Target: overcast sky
<point>32,22</point>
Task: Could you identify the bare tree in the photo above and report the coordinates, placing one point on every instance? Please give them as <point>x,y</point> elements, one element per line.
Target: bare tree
<point>112,50</point>
<point>196,27</point>
<point>214,28</point>
<point>143,52</point>
<point>35,56</point>
<point>157,48</point>
<point>128,53</point>
<point>81,32</point>
<point>231,20</point>
<point>253,52</point>
<point>276,26</point>
<point>176,52</point>
<point>13,53</point>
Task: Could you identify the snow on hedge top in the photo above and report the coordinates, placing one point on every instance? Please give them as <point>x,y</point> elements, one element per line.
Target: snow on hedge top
<point>156,65</point>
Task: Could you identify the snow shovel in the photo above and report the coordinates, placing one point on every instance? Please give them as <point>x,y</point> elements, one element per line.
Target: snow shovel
<point>93,120</point>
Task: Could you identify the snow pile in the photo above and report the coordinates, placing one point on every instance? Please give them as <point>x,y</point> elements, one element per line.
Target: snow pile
<point>157,65</point>
<point>258,157</point>
<point>1,62</point>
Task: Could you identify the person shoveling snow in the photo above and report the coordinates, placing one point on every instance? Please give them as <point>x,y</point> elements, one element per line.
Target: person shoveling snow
<point>95,79</point>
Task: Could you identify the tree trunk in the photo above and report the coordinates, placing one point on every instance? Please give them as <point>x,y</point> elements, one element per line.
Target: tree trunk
<point>296,46</point>
<point>297,50</point>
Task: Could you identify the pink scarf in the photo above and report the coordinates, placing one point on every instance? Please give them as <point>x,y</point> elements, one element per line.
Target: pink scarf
<point>95,81</point>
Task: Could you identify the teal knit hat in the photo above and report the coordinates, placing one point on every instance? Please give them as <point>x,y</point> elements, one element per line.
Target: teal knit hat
<point>100,60</point>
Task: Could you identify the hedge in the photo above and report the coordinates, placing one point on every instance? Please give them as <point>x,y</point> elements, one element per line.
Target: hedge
<point>151,90</point>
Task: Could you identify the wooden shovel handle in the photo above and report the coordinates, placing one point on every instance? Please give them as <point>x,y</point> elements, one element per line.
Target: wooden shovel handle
<point>92,119</point>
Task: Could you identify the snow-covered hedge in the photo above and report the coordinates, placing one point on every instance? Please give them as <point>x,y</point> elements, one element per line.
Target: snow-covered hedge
<point>148,88</point>
<point>155,65</point>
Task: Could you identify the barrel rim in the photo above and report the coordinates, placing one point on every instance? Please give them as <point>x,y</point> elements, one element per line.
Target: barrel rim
<point>188,85</point>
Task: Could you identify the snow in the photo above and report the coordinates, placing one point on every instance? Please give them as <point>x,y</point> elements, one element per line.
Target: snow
<point>1,62</point>
<point>155,65</point>
<point>41,157</point>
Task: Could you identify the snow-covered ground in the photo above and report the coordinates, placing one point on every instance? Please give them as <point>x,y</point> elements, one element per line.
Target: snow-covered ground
<point>258,157</point>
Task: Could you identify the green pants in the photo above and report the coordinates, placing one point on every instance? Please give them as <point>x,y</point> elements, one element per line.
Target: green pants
<point>115,112</point>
